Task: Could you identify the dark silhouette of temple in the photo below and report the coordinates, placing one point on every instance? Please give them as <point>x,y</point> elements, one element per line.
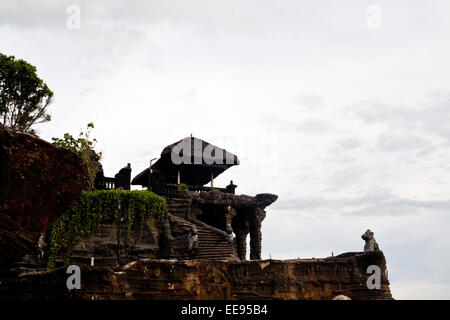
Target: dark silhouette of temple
<point>222,219</point>
<point>202,221</point>
<point>201,163</point>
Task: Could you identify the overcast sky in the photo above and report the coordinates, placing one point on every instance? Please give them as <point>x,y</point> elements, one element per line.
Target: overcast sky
<point>342,108</point>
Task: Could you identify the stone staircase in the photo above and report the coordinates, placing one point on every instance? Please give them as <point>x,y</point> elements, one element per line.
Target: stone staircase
<point>178,206</point>
<point>213,246</point>
<point>212,243</point>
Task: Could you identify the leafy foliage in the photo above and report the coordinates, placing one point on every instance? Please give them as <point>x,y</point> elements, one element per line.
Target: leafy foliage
<point>182,186</point>
<point>84,147</point>
<point>24,97</point>
<point>82,220</point>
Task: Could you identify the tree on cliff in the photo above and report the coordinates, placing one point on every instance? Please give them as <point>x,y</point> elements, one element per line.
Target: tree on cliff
<point>84,147</point>
<point>24,97</point>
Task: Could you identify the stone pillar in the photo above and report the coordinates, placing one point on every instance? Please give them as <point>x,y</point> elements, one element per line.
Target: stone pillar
<point>255,233</point>
<point>241,243</point>
<point>212,180</point>
<point>229,213</point>
<point>241,228</point>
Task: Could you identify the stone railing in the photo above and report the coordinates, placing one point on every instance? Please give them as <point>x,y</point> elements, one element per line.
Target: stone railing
<point>121,180</point>
<point>205,189</point>
<point>228,189</point>
<point>105,183</point>
<point>223,234</point>
<point>171,189</point>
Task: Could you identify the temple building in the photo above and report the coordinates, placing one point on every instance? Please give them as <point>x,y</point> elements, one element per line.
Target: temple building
<point>200,163</point>
<point>202,220</point>
<point>222,218</point>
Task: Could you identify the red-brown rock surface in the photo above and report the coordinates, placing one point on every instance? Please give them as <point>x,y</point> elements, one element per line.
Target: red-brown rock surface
<point>208,279</point>
<point>38,182</point>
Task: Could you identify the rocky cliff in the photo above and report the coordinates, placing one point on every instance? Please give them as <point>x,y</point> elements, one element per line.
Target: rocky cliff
<point>38,182</point>
<point>207,279</point>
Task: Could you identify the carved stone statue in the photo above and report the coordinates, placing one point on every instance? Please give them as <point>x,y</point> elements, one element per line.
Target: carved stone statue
<point>371,244</point>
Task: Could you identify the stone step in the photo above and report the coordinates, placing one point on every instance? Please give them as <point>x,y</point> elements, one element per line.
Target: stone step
<point>211,236</point>
<point>213,254</point>
<point>206,233</point>
<point>213,244</point>
<point>210,244</point>
<point>213,241</point>
<point>177,207</point>
<point>214,237</point>
<point>177,212</point>
<point>212,249</point>
<point>178,204</point>
<point>214,257</point>
<point>170,210</point>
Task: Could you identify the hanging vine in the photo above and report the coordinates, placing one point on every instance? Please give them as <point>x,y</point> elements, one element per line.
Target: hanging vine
<point>83,218</point>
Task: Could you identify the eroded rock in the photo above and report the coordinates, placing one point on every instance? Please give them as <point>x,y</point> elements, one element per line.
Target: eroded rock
<point>38,182</point>
<point>206,279</point>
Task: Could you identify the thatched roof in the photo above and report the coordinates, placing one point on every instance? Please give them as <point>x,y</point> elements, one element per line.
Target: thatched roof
<point>200,164</point>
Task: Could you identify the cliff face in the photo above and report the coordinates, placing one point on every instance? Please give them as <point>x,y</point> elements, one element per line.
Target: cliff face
<point>38,182</point>
<point>103,245</point>
<point>206,279</point>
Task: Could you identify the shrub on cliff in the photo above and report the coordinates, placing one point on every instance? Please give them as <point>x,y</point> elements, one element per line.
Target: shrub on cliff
<point>24,97</point>
<point>84,147</point>
<point>82,220</point>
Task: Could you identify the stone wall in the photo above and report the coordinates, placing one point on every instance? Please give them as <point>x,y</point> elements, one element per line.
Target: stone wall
<point>111,246</point>
<point>206,279</point>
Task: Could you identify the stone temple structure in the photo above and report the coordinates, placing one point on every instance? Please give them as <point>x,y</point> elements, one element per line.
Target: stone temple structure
<point>222,218</point>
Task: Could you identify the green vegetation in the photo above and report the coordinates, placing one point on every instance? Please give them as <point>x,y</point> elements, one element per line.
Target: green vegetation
<point>182,186</point>
<point>24,97</point>
<point>83,218</point>
<point>84,147</point>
